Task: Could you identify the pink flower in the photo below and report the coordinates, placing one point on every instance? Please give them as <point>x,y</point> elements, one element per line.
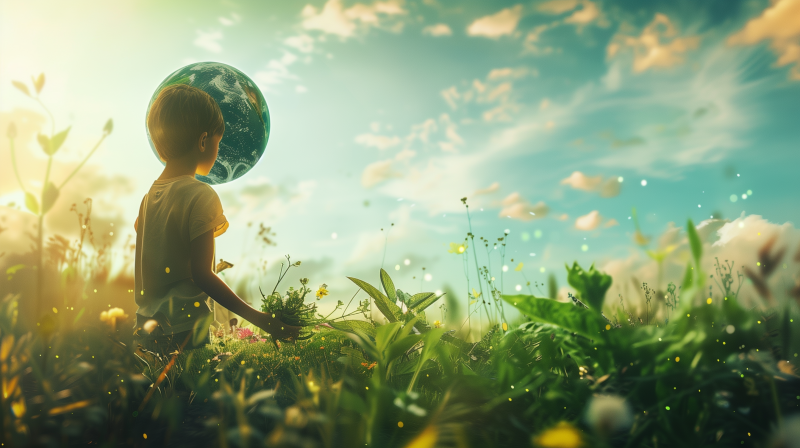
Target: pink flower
<point>245,333</point>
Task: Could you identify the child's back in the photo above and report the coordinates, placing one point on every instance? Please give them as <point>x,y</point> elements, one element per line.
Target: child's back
<point>173,213</point>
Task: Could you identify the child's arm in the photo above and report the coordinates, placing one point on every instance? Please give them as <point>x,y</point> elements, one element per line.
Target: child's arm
<point>202,253</point>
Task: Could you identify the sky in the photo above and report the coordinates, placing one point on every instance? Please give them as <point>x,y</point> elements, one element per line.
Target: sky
<point>553,118</point>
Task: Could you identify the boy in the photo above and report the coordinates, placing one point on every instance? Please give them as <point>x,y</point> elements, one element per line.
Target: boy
<point>178,220</point>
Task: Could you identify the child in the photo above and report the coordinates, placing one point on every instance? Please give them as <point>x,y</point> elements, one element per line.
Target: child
<point>178,220</point>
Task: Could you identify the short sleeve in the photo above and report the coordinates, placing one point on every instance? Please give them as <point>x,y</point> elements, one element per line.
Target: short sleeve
<point>206,214</point>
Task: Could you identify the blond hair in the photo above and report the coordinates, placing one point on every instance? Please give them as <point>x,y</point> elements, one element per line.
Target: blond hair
<point>177,117</point>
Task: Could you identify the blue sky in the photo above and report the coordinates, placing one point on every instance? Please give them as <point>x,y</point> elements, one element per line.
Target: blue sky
<point>391,111</point>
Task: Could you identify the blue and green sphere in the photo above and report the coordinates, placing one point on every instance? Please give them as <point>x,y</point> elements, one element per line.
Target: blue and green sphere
<point>243,109</point>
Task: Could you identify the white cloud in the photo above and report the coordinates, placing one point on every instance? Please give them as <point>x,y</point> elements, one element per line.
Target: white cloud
<point>515,207</point>
<point>607,188</point>
<point>209,40</point>
<point>440,29</point>
<point>780,24</point>
<point>302,43</point>
<point>497,91</point>
<point>589,221</point>
<point>335,19</point>
<point>378,172</point>
<point>300,89</point>
<point>589,13</point>
<point>277,71</point>
<point>557,6</point>
<point>234,19</point>
<point>501,23</point>
<point>494,187</point>
<point>377,141</point>
<point>508,72</point>
<point>657,46</point>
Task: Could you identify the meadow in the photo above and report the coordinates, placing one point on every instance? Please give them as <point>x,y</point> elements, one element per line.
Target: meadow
<point>688,366</point>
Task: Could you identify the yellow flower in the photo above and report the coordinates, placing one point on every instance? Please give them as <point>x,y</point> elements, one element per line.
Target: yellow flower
<point>456,248</point>
<point>437,324</point>
<point>563,435</point>
<point>322,291</point>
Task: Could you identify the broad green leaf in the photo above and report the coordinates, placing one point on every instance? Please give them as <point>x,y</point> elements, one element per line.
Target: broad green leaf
<point>694,241</point>
<point>399,347</point>
<point>430,340</point>
<point>109,126</point>
<point>465,370</point>
<point>58,140</point>
<point>586,322</point>
<point>21,87</point>
<point>591,285</point>
<point>31,203</point>
<point>389,309</point>
<point>350,326</point>
<point>49,196</point>
<point>352,402</point>
<point>45,143</point>
<point>38,83</point>
<point>388,286</point>
<point>422,300</point>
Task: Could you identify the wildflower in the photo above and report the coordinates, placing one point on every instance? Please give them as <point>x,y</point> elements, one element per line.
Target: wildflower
<point>303,281</point>
<point>456,248</point>
<point>608,414</point>
<point>322,291</point>
<point>437,324</point>
<point>563,435</point>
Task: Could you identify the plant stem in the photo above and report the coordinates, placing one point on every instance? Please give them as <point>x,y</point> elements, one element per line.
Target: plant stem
<point>475,256</point>
<point>14,164</point>
<point>105,134</point>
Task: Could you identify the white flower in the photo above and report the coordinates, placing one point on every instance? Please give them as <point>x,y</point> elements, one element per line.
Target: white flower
<point>608,414</point>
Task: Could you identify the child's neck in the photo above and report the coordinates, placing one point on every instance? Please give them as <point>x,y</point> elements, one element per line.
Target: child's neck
<point>183,166</point>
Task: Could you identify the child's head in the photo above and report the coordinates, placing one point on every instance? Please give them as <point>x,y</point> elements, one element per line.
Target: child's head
<point>179,116</point>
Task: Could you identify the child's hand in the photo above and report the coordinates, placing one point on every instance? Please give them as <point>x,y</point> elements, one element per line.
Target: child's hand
<point>276,328</point>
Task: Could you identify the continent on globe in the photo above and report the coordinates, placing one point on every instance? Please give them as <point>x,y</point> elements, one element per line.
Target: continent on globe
<point>243,108</point>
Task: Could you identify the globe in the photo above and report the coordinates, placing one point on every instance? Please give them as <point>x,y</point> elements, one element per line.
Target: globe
<point>243,109</point>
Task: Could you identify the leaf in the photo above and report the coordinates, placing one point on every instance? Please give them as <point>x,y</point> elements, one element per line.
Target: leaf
<point>58,140</point>
<point>475,294</point>
<point>421,300</point>
<point>109,126</point>
<point>399,347</point>
<point>44,142</point>
<point>694,241</point>
<point>12,131</point>
<point>586,322</point>
<point>519,267</point>
<point>350,326</point>
<point>31,203</point>
<point>13,269</point>
<point>21,87</point>
<point>389,309</point>
<point>38,83</point>
<point>388,286</point>
<point>591,285</point>
<point>473,302</point>
<point>49,196</point>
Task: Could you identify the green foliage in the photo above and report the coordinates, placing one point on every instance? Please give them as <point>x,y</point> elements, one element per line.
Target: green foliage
<point>591,285</point>
<point>583,321</point>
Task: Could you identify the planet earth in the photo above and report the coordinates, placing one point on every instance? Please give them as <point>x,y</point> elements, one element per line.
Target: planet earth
<point>243,109</point>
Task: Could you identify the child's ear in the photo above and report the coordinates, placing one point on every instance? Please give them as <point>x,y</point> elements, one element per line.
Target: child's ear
<point>203,141</point>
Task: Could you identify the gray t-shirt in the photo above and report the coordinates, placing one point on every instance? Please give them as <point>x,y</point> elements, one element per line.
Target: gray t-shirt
<point>173,213</point>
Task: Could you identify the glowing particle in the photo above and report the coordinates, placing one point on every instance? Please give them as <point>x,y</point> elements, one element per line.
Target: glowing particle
<point>144,435</point>
<point>367,387</point>
<point>111,233</point>
<point>619,179</point>
<point>509,398</point>
<point>688,315</point>
<point>505,268</point>
<point>518,287</point>
<point>397,267</point>
<point>744,196</point>
<point>242,362</point>
<point>507,231</point>
<point>677,359</point>
<point>584,247</point>
<point>608,327</point>
<point>196,304</point>
<point>333,235</point>
<point>167,270</point>
<point>644,182</point>
<point>708,300</point>
<point>512,386</point>
<point>532,254</point>
<point>668,408</point>
<point>698,205</point>
<point>428,277</point>
<point>659,339</point>
<point>730,329</point>
<point>541,269</point>
<point>399,424</point>
<point>55,310</point>
<point>537,234</point>
<point>505,328</point>
<point>749,192</point>
<point>143,292</point>
<point>407,262</point>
